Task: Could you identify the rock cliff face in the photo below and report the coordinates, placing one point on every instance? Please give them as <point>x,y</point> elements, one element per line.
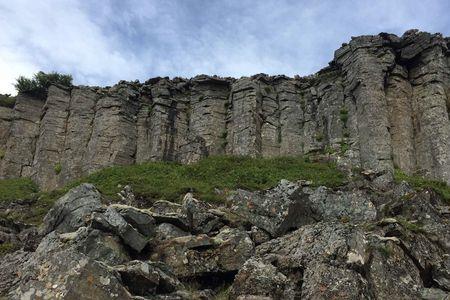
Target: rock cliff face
<point>383,102</point>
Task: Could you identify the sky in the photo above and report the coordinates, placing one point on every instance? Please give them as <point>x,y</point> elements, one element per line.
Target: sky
<point>101,42</point>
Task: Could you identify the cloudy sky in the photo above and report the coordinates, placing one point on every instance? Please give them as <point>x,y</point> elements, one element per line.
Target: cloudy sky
<point>101,42</point>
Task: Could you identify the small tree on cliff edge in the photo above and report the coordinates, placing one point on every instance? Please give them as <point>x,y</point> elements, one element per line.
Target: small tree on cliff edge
<point>39,84</point>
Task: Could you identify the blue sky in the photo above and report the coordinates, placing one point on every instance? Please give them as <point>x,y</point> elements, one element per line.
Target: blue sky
<point>101,42</point>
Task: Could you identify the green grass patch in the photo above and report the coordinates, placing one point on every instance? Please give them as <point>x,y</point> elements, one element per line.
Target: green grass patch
<point>17,188</point>
<point>170,181</point>
<point>414,227</point>
<point>420,183</point>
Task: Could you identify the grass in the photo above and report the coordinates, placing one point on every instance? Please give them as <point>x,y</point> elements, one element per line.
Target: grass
<point>17,188</point>
<point>26,190</point>
<point>420,183</point>
<point>414,227</point>
<point>170,181</point>
<point>385,251</point>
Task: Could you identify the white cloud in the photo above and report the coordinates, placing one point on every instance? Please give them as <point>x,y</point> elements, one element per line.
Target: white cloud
<point>58,35</point>
<point>101,42</point>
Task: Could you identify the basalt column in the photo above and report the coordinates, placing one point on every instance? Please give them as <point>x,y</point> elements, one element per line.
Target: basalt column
<point>365,63</point>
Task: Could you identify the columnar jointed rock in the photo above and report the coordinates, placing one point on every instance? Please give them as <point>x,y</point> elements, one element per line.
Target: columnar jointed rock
<point>382,102</point>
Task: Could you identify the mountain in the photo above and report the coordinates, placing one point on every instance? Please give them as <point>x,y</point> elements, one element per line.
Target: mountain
<point>330,186</point>
<point>383,100</point>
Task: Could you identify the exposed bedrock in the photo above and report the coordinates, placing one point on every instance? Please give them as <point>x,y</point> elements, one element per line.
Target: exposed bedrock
<point>383,102</point>
<point>292,241</point>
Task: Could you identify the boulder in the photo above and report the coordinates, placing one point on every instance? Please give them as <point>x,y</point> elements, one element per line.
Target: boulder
<point>113,222</point>
<point>148,278</point>
<point>139,219</point>
<point>72,210</point>
<point>274,210</point>
<point>258,278</point>
<point>290,206</point>
<point>57,270</point>
<point>11,265</point>
<point>191,256</point>
<point>166,231</point>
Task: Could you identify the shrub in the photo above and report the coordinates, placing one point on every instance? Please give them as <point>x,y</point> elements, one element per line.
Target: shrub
<point>343,115</point>
<point>320,136</point>
<point>39,84</point>
<point>2,154</point>
<point>58,168</point>
<point>7,101</point>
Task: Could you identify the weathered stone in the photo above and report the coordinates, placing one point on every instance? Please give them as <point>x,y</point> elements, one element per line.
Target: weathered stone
<point>323,281</point>
<point>11,265</point>
<point>199,216</point>
<point>67,275</point>
<point>289,206</point>
<point>393,274</point>
<point>113,222</point>
<point>49,153</point>
<point>274,210</point>
<point>139,219</point>
<point>166,231</point>
<point>191,256</point>
<point>147,278</point>
<point>23,133</point>
<point>261,279</point>
<point>352,205</point>
<point>73,210</point>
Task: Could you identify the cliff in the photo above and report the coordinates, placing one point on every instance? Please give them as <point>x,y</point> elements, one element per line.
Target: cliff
<point>383,102</point>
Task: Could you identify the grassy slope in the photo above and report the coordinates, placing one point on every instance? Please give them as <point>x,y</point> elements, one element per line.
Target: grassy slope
<point>419,183</point>
<point>170,181</point>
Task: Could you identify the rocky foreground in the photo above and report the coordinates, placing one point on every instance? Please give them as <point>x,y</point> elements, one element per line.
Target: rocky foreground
<point>290,242</point>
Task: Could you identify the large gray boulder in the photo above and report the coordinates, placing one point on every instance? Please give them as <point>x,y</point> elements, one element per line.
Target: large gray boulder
<point>58,270</point>
<point>73,210</point>
<point>291,205</point>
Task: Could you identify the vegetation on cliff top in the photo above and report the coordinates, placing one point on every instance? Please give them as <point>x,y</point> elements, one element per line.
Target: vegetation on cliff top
<point>39,84</point>
<point>210,180</point>
<point>7,101</point>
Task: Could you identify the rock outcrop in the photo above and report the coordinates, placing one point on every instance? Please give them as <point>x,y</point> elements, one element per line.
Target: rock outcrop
<point>383,102</point>
<point>289,242</point>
